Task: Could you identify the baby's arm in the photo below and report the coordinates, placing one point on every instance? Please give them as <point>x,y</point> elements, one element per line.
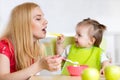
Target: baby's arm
<point>66,51</point>
<point>59,45</point>
<point>105,62</point>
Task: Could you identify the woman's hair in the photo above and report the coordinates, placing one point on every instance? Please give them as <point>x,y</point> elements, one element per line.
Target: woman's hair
<point>19,31</point>
<point>95,30</point>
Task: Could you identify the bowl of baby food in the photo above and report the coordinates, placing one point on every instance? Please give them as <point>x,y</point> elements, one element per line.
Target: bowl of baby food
<point>76,70</point>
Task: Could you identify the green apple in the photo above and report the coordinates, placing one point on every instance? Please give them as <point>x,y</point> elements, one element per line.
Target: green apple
<point>112,72</point>
<point>90,74</point>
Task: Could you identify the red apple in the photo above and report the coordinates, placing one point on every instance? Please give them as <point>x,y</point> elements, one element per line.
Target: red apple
<point>90,74</point>
<point>112,72</point>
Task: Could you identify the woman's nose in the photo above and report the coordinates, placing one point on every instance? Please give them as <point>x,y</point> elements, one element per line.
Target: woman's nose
<point>46,21</point>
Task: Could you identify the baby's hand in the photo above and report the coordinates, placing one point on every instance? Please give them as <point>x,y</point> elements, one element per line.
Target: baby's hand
<point>60,39</point>
<point>102,71</point>
<point>59,44</point>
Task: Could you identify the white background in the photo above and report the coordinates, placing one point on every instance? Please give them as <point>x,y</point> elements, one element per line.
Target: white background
<point>63,15</point>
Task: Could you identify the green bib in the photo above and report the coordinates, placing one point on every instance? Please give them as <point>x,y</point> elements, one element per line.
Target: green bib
<point>85,56</point>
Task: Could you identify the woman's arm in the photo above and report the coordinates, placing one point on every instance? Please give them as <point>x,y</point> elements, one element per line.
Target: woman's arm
<point>19,75</point>
<point>48,63</point>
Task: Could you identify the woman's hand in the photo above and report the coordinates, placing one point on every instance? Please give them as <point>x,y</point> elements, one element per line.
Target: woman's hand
<point>51,63</point>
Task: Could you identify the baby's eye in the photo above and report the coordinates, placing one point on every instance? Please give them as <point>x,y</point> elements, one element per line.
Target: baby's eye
<point>79,35</point>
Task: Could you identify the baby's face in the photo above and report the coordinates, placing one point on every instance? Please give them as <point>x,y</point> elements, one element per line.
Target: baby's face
<point>82,38</point>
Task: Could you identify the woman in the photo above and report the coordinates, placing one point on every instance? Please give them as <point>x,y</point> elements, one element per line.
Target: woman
<point>21,54</point>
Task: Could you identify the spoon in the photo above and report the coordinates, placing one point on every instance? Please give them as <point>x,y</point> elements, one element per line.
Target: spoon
<point>75,63</point>
<point>54,34</point>
<point>68,60</point>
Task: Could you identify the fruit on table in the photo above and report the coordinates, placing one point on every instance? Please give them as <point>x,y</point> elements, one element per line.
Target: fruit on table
<point>112,72</point>
<point>90,74</point>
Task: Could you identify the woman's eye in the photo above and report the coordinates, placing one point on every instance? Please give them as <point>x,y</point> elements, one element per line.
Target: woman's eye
<point>38,19</point>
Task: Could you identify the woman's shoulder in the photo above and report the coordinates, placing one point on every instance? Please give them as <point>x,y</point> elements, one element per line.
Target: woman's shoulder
<point>3,44</point>
<point>6,47</point>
